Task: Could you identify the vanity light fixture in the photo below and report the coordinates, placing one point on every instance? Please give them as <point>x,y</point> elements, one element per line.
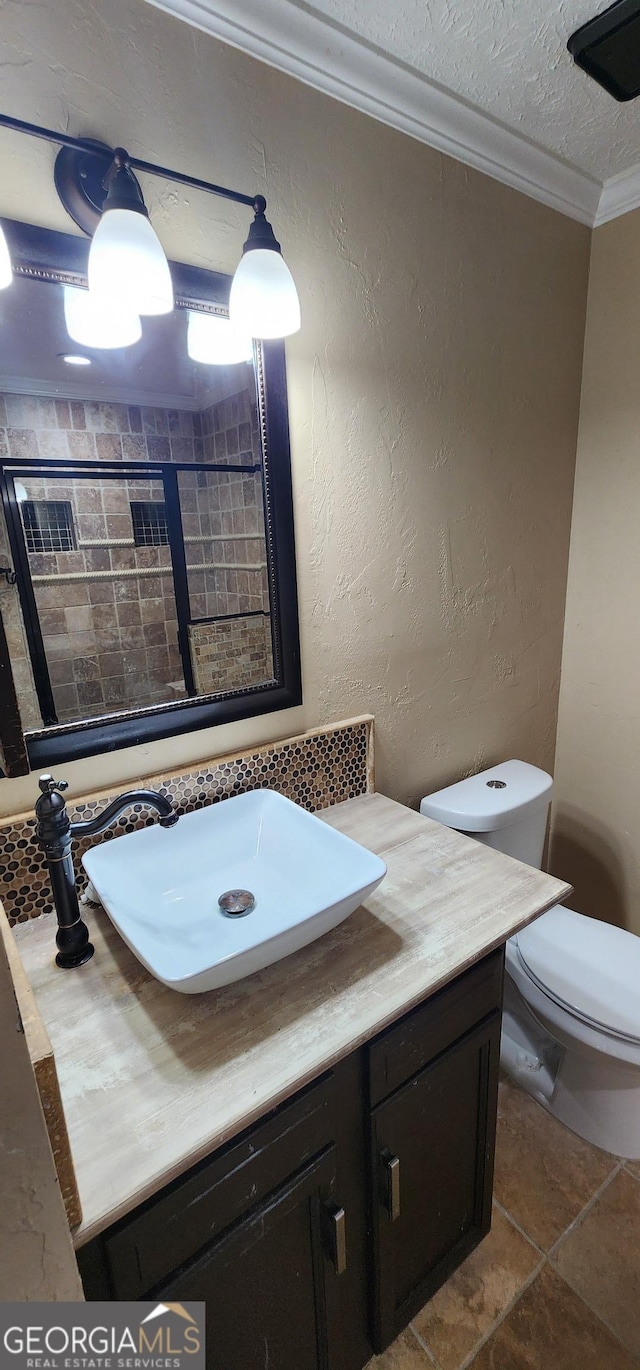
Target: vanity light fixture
<point>215,341</point>
<point>263,301</point>
<point>6,273</point>
<point>127,264</point>
<point>94,320</point>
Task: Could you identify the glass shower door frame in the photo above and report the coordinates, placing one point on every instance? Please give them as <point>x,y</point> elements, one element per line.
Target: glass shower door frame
<point>123,471</point>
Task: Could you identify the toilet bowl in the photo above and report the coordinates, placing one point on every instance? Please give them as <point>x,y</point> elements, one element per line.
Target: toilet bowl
<point>571,1020</point>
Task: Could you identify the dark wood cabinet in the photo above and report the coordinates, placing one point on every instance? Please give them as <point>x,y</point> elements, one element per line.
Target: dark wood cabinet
<point>270,1283</point>
<point>432,1162</point>
<point>317,1234</point>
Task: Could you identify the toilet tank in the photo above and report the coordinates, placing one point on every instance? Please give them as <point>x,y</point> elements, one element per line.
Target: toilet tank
<point>505,807</point>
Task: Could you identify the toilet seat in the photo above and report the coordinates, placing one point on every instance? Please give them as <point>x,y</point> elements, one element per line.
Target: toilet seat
<point>589,969</point>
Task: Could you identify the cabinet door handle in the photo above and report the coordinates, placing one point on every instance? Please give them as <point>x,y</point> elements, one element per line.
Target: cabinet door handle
<point>392,1170</point>
<point>339,1222</point>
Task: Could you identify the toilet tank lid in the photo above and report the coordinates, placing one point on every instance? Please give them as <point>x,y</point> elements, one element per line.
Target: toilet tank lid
<point>590,967</point>
<point>479,804</point>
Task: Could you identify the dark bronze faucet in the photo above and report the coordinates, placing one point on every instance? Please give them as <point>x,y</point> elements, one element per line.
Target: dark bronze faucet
<point>54,832</point>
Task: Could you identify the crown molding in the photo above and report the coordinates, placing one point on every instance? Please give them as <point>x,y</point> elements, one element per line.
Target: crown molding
<point>619,196</point>
<point>330,59</point>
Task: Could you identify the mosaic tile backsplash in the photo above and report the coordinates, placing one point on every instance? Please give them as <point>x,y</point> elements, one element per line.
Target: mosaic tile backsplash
<point>316,770</point>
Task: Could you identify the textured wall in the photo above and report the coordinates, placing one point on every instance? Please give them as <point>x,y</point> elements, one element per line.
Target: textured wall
<point>36,1255</point>
<point>433,388</point>
<point>596,842</point>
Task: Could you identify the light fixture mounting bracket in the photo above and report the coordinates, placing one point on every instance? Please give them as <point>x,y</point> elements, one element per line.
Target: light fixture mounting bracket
<point>79,175</point>
<point>84,146</point>
<point>261,234</point>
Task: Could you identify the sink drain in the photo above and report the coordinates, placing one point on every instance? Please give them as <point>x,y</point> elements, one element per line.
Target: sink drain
<point>237,903</point>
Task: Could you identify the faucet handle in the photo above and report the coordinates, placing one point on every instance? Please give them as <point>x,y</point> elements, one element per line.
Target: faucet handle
<point>48,785</point>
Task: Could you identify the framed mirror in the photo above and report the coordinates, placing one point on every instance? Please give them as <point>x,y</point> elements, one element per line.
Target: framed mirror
<point>147,542</point>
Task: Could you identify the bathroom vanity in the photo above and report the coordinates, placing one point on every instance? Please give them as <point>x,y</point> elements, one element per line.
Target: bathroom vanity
<point>310,1151</point>
<point>375,1178</point>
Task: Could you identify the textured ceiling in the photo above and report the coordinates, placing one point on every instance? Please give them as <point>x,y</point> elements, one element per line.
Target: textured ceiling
<point>508,58</point>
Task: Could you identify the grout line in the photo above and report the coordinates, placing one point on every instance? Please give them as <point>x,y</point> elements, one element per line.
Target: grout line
<point>545,1258</point>
<point>468,1361</point>
<point>423,1347</point>
<point>594,1311</point>
<point>573,1226</point>
<point>506,1214</point>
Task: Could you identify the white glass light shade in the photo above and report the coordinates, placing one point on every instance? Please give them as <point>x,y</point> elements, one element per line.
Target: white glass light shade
<point>96,321</point>
<point>264,301</point>
<point>6,273</point>
<point>127,263</point>
<point>215,341</point>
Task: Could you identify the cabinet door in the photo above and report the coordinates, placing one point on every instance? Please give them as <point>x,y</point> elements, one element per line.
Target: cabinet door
<point>270,1283</point>
<point>432,1159</point>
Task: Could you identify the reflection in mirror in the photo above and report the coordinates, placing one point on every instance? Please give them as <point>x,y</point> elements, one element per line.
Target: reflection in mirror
<point>134,497</point>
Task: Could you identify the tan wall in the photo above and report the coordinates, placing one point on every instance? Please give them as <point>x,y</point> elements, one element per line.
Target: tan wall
<point>596,830</point>
<point>36,1254</point>
<point>433,388</point>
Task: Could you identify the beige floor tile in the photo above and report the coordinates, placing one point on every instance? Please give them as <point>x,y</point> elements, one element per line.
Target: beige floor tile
<point>403,1354</point>
<point>633,1167</point>
<point>601,1259</point>
<point>468,1305</point>
<point>550,1328</point>
<point>544,1174</point>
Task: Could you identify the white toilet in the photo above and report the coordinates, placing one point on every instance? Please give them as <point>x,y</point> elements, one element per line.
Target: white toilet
<point>571,1024</point>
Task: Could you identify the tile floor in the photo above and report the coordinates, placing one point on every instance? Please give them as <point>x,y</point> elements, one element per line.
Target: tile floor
<point>556,1284</point>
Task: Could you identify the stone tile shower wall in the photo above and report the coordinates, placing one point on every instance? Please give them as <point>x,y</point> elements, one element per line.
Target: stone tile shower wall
<point>16,639</point>
<point>231,434</point>
<point>111,639</point>
<point>317,769</point>
<point>232,508</point>
<point>232,653</point>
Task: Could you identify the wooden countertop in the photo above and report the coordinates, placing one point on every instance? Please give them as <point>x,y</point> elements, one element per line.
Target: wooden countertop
<point>152,1080</point>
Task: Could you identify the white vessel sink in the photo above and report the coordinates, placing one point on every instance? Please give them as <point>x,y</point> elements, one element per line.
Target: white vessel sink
<point>161,887</point>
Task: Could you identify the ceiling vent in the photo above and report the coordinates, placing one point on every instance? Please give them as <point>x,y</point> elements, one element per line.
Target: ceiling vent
<point>608,49</point>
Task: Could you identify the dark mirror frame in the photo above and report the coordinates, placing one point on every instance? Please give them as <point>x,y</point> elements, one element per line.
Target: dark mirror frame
<point>46,255</point>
